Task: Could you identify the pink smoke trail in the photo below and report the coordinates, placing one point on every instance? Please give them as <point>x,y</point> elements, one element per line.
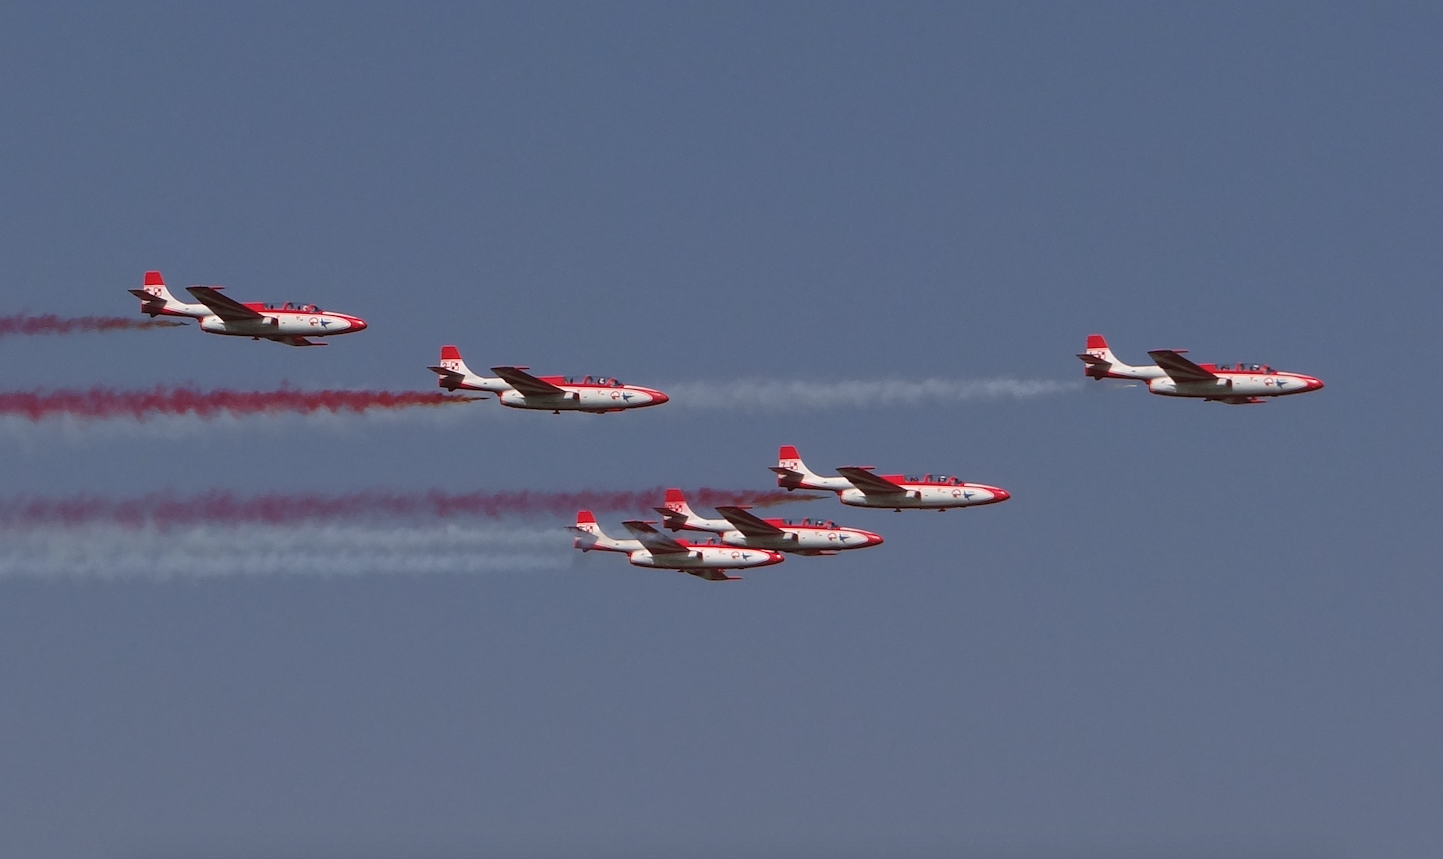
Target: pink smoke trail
<point>102,403</point>
<point>49,323</point>
<point>167,509</point>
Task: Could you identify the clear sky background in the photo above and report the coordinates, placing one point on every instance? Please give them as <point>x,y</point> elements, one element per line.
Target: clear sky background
<point>1196,630</point>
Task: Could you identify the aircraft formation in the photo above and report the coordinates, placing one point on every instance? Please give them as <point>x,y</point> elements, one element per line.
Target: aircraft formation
<point>737,539</point>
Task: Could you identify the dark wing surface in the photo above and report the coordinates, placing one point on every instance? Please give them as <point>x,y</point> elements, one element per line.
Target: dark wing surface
<point>225,307</point>
<point>1179,368</point>
<point>868,482</point>
<point>655,542</point>
<point>526,383</point>
<point>748,524</point>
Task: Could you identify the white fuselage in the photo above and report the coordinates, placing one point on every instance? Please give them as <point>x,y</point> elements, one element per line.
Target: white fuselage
<point>806,539</point>
<point>926,496</point>
<point>283,323</point>
<point>576,397</point>
<point>706,558</point>
<point>809,539</point>
<point>1235,384</point>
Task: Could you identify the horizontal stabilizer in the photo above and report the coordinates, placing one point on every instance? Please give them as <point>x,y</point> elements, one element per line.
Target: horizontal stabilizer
<point>147,297</point>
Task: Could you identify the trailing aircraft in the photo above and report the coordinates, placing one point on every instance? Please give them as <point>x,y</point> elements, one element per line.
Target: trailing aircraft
<point>737,527</point>
<point>859,487</point>
<point>290,323</point>
<point>1172,375</point>
<point>519,389</point>
<point>649,547</point>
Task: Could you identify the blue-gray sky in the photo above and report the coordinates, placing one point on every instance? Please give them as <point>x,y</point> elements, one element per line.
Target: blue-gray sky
<point>1195,630</point>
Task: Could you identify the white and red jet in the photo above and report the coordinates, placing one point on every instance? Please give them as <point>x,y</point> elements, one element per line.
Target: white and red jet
<point>651,548</point>
<point>519,389</point>
<point>1175,376</point>
<point>737,527</point>
<point>218,314</point>
<point>859,487</point>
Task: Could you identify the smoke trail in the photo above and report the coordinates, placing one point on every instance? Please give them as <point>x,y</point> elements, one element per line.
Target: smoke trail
<point>119,553</point>
<point>781,395</point>
<point>168,510</point>
<point>49,323</point>
<point>100,403</point>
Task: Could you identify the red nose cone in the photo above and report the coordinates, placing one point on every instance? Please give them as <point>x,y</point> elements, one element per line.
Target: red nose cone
<point>657,398</point>
<point>1315,384</point>
<point>874,539</point>
<point>1000,494</point>
<point>358,324</point>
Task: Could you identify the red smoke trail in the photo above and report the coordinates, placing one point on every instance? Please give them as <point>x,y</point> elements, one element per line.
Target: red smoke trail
<point>105,403</point>
<point>49,323</point>
<point>166,509</point>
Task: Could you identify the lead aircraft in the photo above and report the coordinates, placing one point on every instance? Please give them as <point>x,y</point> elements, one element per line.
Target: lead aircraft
<point>737,527</point>
<point>290,323</point>
<point>519,389</point>
<point>859,487</point>
<point>1175,376</point>
<point>651,548</point>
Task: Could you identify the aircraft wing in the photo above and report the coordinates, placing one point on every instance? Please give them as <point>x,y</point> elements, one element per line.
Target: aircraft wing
<point>714,575</point>
<point>1180,368</point>
<point>297,341</point>
<point>748,524</point>
<point>225,307</point>
<point>527,384</point>
<point>868,482</point>
<point>655,542</point>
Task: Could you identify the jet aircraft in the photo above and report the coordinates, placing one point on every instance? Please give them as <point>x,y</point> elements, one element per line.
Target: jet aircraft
<point>737,527</point>
<point>1175,376</point>
<point>290,323</point>
<point>859,487</point>
<point>520,390</point>
<point>651,548</point>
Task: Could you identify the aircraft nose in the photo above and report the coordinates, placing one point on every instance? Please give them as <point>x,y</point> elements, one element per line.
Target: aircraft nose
<point>657,398</point>
<point>874,539</point>
<point>358,324</point>
<point>1314,384</point>
<point>1000,494</point>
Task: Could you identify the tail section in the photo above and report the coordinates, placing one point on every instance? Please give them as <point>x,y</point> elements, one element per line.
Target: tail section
<point>792,473</point>
<point>677,515</point>
<point>156,300</point>
<point>451,361</point>
<point>1102,364</point>
<point>590,536</point>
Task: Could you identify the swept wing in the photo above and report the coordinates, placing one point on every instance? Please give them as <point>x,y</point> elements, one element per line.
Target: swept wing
<point>527,384</point>
<point>748,524</point>
<point>1179,368</point>
<point>868,482</point>
<point>655,542</point>
<point>223,306</point>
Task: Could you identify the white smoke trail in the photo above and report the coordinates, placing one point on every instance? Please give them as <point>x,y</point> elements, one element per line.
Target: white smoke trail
<point>118,553</point>
<point>796,395</point>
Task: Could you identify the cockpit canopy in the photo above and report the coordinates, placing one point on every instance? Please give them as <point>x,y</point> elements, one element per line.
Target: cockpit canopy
<point>299,308</point>
<point>1248,368</point>
<point>939,480</point>
<point>601,381</point>
<point>828,524</point>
